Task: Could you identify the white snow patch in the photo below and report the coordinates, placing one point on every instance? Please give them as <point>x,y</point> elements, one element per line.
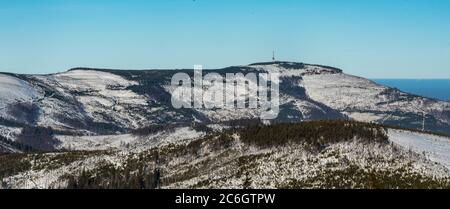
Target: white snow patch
<point>91,79</point>
<point>14,90</point>
<point>128,142</point>
<point>364,117</point>
<point>9,133</point>
<point>435,148</point>
<point>94,142</point>
<point>50,178</point>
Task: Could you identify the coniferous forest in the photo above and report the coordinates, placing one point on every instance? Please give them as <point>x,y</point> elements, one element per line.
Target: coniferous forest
<point>151,169</point>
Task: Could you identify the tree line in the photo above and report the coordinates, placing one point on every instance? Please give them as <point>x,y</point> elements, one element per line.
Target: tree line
<point>316,133</point>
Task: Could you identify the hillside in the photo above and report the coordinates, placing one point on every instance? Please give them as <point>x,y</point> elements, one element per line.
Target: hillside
<point>104,128</point>
<point>102,102</point>
<point>305,155</point>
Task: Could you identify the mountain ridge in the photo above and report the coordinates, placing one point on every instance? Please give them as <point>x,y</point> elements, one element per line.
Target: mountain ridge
<point>104,128</point>
<point>91,101</point>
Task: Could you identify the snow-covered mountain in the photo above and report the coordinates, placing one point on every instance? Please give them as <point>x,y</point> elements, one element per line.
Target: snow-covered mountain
<point>98,124</point>
<point>90,102</point>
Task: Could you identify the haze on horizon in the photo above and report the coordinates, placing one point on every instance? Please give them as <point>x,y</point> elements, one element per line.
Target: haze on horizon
<point>373,38</point>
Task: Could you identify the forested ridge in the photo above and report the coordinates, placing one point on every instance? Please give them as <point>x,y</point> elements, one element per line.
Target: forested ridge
<point>149,169</point>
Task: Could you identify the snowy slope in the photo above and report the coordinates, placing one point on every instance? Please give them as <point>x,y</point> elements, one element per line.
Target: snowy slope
<point>342,91</point>
<point>12,91</point>
<point>101,94</point>
<point>208,164</point>
<point>364,100</point>
<point>435,148</point>
<point>105,103</point>
<point>90,80</point>
<point>128,142</point>
<point>9,133</point>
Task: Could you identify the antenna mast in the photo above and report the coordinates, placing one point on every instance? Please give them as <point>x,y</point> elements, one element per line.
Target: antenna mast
<point>423,120</point>
<point>424,114</point>
<point>273,55</point>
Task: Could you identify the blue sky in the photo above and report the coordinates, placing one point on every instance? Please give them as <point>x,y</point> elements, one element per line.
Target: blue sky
<point>370,38</point>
